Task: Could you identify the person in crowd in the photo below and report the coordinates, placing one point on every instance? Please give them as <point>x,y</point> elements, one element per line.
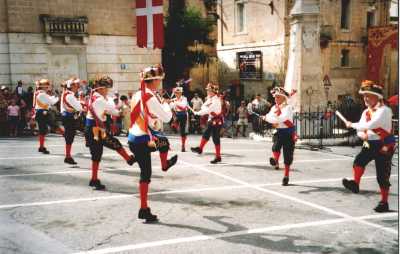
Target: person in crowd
<point>243,115</point>
<point>13,115</point>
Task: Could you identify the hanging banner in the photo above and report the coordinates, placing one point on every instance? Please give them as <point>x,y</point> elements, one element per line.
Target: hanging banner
<point>378,38</point>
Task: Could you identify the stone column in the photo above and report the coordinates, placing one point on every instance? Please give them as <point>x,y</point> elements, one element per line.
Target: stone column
<point>304,71</point>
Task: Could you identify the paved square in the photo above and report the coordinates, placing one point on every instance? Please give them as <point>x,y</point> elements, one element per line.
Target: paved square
<point>238,206</point>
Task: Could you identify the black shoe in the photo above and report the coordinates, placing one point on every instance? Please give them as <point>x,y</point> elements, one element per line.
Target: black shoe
<point>351,185</point>
<point>272,161</point>
<point>43,150</point>
<point>145,213</point>
<point>285,181</point>
<point>70,160</point>
<point>183,150</point>
<point>196,150</point>
<point>131,160</point>
<point>382,207</point>
<point>97,185</point>
<point>171,162</point>
<point>216,160</point>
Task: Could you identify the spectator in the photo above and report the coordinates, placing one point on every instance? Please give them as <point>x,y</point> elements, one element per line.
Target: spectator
<point>259,106</point>
<point>243,114</point>
<point>116,120</point>
<point>196,102</point>
<point>22,114</point>
<point>6,93</point>
<point>126,114</point>
<point>19,90</point>
<point>28,98</point>
<point>13,114</point>
<point>3,114</point>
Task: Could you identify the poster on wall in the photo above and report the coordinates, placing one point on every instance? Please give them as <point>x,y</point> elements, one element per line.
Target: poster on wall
<point>250,65</point>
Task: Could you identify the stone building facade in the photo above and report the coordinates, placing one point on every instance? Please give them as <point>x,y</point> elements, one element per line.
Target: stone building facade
<point>102,41</point>
<point>264,26</point>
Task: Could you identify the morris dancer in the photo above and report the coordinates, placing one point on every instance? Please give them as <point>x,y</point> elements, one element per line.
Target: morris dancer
<point>180,105</point>
<point>212,107</point>
<point>70,109</point>
<point>42,102</point>
<point>148,113</point>
<point>375,128</point>
<point>281,117</point>
<point>96,135</point>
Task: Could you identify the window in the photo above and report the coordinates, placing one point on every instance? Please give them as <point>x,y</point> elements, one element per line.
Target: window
<point>240,17</point>
<point>345,58</point>
<point>370,19</point>
<point>345,15</point>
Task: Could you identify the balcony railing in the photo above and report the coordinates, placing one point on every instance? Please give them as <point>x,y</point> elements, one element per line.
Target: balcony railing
<point>64,27</point>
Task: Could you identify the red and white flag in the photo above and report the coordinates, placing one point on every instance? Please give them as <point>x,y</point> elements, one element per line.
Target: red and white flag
<point>150,23</point>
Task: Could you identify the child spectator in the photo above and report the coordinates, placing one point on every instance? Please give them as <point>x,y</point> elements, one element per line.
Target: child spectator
<point>13,113</point>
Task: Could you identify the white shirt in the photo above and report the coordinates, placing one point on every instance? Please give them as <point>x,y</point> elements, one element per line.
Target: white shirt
<point>380,118</point>
<point>44,101</point>
<point>72,102</point>
<point>159,112</point>
<point>274,117</point>
<point>179,104</point>
<point>212,105</point>
<point>197,103</point>
<point>101,108</point>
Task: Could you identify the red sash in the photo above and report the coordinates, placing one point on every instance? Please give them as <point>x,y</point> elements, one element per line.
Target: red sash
<point>136,111</point>
<point>65,102</point>
<point>98,121</point>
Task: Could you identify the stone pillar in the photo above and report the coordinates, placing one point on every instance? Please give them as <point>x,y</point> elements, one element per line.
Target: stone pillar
<point>304,71</point>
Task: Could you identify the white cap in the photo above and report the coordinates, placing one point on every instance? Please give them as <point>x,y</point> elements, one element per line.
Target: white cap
<point>69,82</point>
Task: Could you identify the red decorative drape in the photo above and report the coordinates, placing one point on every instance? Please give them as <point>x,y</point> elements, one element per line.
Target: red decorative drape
<point>378,38</point>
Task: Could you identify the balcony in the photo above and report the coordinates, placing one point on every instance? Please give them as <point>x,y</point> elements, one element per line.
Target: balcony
<point>66,27</point>
<point>326,35</point>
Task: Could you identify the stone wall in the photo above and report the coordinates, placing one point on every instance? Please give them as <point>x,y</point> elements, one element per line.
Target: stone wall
<point>110,50</point>
<point>4,60</point>
<point>31,59</point>
<point>105,17</point>
<point>3,16</point>
<point>269,33</point>
<point>264,32</point>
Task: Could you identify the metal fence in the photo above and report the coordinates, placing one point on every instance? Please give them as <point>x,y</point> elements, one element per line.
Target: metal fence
<point>323,123</point>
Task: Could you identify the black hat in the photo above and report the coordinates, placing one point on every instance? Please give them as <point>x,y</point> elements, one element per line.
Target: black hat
<point>371,87</point>
<point>103,82</point>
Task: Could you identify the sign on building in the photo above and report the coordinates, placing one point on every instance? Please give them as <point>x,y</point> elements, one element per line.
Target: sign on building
<point>250,65</point>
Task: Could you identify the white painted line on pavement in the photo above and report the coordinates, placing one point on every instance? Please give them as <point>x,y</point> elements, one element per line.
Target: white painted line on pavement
<point>218,188</point>
<point>64,201</point>
<point>267,163</point>
<point>297,200</point>
<point>233,234</point>
<point>176,166</point>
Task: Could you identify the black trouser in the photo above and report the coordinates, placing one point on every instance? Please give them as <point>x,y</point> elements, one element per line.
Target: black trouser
<point>383,162</point>
<point>213,130</point>
<point>96,146</point>
<point>142,154</point>
<point>182,120</point>
<point>43,120</point>
<point>284,139</point>
<point>70,127</point>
